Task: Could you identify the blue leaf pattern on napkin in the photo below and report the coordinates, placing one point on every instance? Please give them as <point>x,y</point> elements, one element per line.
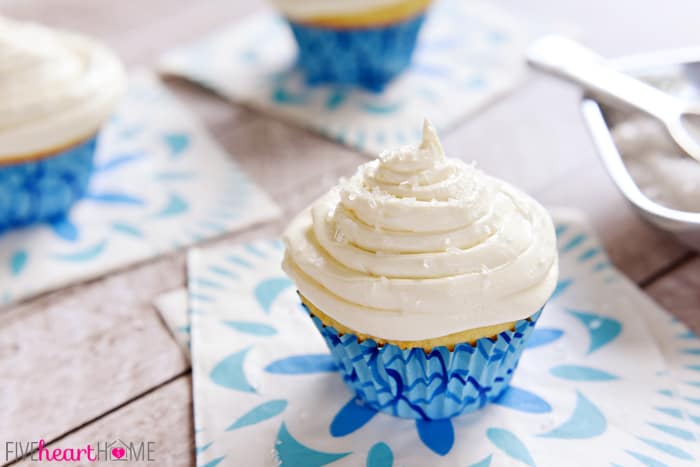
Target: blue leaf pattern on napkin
<point>87,254</point>
<point>115,198</point>
<point>380,455</point>
<point>214,462</point>
<point>177,143</point>
<point>262,412</point>
<point>128,229</point>
<point>302,364</point>
<point>510,444</point>
<point>251,327</point>
<point>118,161</point>
<point>485,462</point>
<point>229,372</point>
<point>646,460</point>
<point>581,373</point>
<point>65,229</point>
<point>292,453</point>
<point>668,449</point>
<point>18,261</point>
<point>438,435</point>
<point>266,292</point>
<point>176,205</point>
<point>351,417</point>
<point>543,336</point>
<point>523,401</point>
<point>587,421</point>
<point>602,330</point>
<point>674,431</point>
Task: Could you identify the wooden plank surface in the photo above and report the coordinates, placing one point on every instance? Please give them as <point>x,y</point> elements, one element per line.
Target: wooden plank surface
<point>161,417</point>
<point>70,357</point>
<point>679,292</point>
<point>75,354</point>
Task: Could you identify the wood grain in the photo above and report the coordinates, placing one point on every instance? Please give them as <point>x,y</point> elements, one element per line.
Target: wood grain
<point>162,417</point>
<point>73,355</point>
<point>294,165</point>
<point>69,357</point>
<point>679,293</point>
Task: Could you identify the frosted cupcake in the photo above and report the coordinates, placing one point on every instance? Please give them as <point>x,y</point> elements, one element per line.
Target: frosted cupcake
<point>358,42</point>
<point>56,91</point>
<point>425,277</point>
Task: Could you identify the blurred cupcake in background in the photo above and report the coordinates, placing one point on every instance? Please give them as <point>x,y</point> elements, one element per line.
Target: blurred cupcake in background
<point>425,278</point>
<point>357,42</point>
<point>57,89</point>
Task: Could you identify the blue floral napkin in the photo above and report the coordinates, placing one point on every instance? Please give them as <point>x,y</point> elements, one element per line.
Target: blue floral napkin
<point>468,54</point>
<point>160,183</point>
<point>608,377</point>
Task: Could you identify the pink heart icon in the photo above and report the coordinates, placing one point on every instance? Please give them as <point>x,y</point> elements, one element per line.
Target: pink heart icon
<point>118,453</point>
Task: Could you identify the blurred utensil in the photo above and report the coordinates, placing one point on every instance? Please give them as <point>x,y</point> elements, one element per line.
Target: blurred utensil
<point>670,66</point>
<point>565,58</point>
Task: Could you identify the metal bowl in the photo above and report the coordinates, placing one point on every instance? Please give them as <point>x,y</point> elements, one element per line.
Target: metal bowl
<point>683,65</point>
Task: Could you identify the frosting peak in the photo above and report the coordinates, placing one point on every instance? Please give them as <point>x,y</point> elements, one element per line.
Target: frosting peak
<point>407,158</point>
<point>416,245</point>
<point>431,143</point>
<point>56,88</point>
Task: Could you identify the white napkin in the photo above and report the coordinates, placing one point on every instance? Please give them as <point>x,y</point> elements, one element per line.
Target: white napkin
<point>608,379</point>
<point>468,54</point>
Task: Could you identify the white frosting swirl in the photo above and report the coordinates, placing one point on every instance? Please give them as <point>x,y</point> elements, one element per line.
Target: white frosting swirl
<point>56,88</point>
<point>309,9</point>
<point>416,246</point>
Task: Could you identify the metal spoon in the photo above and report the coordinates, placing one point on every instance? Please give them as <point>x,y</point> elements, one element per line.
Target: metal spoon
<point>567,59</point>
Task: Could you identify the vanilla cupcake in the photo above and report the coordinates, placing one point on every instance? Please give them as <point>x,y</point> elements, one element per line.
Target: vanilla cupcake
<point>358,42</point>
<point>56,91</point>
<point>425,277</point>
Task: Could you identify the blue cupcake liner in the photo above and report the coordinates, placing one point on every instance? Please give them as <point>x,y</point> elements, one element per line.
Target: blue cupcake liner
<point>439,384</point>
<point>45,189</point>
<point>368,57</point>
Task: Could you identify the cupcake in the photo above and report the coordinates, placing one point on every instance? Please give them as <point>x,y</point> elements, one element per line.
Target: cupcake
<point>425,277</point>
<point>56,91</point>
<point>363,43</point>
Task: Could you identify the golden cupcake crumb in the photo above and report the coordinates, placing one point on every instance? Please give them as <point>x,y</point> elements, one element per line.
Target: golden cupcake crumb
<point>450,341</point>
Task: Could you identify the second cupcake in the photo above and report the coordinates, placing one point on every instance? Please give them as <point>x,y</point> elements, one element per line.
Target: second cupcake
<point>425,277</point>
<point>362,43</point>
<point>56,91</point>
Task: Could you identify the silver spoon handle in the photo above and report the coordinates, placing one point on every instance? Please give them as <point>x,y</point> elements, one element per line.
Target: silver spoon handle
<point>567,59</point>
